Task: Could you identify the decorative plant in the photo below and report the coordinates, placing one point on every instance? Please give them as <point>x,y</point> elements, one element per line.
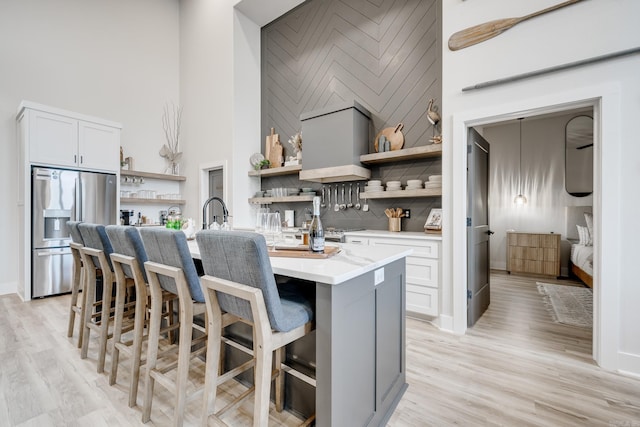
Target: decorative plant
<point>171,120</point>
<point>262,164</point>
<point>296,142</point>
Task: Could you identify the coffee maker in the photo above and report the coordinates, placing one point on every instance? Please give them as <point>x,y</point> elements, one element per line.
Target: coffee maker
<point>125,217</point>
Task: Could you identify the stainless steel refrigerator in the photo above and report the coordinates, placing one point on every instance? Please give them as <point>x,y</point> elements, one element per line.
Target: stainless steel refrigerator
<point>58,196</point>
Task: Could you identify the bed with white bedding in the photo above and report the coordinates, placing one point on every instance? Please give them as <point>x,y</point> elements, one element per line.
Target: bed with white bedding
<point>579,229</point>
<point>582,262</point>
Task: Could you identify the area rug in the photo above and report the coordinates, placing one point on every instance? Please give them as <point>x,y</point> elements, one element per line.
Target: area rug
<point>571,305</point>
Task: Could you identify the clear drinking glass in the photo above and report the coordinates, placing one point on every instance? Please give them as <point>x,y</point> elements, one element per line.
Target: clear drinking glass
<point>274,228</point>
<point>261,220</point>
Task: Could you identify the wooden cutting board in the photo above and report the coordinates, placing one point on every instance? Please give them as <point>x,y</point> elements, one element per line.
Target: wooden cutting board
<point>275,154</point>
<point>267,144</point>
<point>303,252</point>
<point>394,135</point>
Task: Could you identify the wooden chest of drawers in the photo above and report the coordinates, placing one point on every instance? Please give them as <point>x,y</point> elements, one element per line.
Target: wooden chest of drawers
<point>534,253</point>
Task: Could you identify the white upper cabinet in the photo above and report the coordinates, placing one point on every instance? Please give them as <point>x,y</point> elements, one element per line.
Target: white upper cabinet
<point>60,138</point>
<point>98,146</point>
<point>53,139</point>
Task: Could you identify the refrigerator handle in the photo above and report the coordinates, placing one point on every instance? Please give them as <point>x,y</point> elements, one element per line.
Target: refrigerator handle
<point>79,212</point>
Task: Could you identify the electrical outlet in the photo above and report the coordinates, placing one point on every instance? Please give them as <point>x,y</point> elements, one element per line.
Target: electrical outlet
<point>407,213</point>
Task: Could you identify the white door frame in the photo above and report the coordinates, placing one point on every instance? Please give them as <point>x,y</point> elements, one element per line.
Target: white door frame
<point>606,103</point>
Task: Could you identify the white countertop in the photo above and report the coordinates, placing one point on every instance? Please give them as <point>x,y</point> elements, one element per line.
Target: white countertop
<point>352,261</point>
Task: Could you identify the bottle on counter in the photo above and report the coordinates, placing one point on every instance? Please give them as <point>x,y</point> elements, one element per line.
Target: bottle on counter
<point>316,232</point>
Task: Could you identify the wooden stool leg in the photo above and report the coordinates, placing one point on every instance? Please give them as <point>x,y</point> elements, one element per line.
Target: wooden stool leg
<point>107,287</point>
<point>171,321</point>
<point>152,352</point>
<point>89,292</point>
<point>117,329</point>
<point>184,358</point>
<point>75,288</point>
<point>138,335</point>
<point>83,306</point>
<point>263,384</point>
<point>279,383</point>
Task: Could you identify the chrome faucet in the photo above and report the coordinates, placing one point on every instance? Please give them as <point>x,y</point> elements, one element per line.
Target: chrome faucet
<point>225,212</point>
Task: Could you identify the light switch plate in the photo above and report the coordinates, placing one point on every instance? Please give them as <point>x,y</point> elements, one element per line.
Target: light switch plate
<point>379,276</point>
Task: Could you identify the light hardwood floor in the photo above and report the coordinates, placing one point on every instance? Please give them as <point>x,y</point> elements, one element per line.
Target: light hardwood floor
<point>515,367</point>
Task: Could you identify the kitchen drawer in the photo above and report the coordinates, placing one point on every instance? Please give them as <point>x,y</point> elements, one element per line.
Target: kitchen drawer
<point>355,240</point>
<point>424,248</point>
<point>422,300</point>
<point>422,271</point>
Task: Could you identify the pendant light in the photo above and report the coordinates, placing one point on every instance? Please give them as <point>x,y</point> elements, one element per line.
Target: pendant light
<point>520,199</point>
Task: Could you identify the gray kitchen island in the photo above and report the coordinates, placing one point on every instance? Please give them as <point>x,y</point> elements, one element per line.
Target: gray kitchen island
<point>360,331</point>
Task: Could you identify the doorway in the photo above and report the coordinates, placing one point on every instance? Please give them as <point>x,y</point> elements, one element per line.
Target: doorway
<point>214,181</point>
<point>216,189</point>
<point>605,101</point>
<point>528,157</point>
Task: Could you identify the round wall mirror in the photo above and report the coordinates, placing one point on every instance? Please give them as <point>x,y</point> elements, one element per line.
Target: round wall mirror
<point>578,171</point>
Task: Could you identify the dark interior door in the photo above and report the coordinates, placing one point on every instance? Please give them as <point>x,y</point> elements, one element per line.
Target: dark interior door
<point>478,233</point>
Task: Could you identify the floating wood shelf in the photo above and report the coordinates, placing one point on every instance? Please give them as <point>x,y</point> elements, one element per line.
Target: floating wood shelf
<point>425,192</point>
<point>423,152</point>
<point>168,177</point>
<point>284,170</point>
<point>141,201</point>
<point>287,199</point>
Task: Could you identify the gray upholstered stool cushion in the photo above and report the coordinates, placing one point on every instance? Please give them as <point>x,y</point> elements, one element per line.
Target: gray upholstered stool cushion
<point>127,241</point>
<point>169,247</point>
<point>242,257</point>
<point>75,232</point>
<point>94,236</point>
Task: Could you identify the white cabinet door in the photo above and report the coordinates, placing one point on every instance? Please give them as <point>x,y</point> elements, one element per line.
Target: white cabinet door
<point>422,300</point>
<point>99,146</point>
<point>423,273</point>
<point>53,139</point>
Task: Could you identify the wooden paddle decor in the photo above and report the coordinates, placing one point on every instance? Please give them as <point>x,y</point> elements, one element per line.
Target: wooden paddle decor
<point>482,32</point>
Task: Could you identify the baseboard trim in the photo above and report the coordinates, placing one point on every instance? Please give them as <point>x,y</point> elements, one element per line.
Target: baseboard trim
<point>629,364</point>
<point>445,323</point>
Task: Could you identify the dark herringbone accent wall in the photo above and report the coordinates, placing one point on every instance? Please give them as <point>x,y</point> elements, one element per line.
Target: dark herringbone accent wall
<point>383,53</point>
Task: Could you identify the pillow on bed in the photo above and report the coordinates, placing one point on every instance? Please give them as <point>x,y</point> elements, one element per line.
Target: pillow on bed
<point>585,237</point>
<point>588,218</point>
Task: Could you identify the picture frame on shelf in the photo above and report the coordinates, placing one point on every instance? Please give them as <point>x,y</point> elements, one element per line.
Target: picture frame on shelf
<point>434,221</point>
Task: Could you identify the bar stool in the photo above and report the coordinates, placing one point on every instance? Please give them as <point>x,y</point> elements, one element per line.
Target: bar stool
<point>128,260</point>
<point>77,280</point>
<point>171,268</point>
<point>96,258</point>
<point>240,281</point>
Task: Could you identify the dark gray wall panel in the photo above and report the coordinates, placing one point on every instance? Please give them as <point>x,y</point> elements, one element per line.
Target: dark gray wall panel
<point>386,54</point>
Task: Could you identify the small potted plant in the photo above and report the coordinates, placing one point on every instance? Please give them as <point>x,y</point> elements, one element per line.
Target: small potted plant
<point>262,164</point>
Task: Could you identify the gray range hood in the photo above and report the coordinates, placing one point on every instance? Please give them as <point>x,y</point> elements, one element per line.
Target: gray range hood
<point>334,138</point>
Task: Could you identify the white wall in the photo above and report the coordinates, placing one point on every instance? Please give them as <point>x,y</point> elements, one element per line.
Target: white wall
<point>115,59</point>
<point>578,32</point>
<point>543,154</point>
<point>220,92</point>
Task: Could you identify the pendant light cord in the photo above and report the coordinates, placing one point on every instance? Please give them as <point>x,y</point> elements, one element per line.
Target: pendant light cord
<point>520,168</point>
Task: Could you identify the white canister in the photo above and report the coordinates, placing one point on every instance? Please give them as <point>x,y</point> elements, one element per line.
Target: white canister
<point>289,218</point>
